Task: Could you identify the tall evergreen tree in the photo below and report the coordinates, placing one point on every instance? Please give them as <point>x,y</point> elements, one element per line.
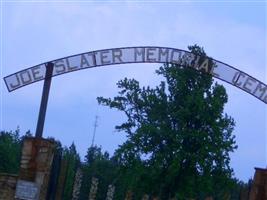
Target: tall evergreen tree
<point>97,165</point>
<point>73,159</point>
<point>55,169</point>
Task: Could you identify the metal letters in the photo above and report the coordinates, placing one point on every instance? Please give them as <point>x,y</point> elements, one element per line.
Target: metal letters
<point>127,55</point>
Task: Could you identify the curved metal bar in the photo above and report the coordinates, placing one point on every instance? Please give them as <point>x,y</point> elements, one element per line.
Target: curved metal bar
<point>141,54</point>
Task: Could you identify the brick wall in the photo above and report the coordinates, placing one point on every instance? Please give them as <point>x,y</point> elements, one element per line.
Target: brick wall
<point>7,186</point>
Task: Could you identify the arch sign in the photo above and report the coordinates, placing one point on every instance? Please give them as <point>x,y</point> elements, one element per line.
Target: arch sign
<point>146,54</point>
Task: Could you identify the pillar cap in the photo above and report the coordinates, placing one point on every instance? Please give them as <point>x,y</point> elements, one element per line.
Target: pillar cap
<point>261,169</point>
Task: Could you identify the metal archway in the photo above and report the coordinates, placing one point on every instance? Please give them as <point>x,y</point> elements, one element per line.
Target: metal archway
<point>143,54</point>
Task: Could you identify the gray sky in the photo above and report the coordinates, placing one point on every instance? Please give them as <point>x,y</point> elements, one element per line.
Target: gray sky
<point>36,32</point>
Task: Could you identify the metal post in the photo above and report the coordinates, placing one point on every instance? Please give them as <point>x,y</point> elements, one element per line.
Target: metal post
<point>45,95</point>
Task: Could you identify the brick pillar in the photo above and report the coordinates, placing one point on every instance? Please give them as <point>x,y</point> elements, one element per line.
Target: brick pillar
<point>7,186</point>
<point>259,185</point>
<point>36,161</point>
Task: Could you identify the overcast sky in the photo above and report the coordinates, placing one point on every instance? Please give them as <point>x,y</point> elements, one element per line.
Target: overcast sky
<point>36,32</point>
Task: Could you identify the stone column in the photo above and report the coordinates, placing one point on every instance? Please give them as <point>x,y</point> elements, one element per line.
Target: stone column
<point>110,193</point>
<point>145,197</point>
<point>36,160</point>
<point>210,198</point>
<point>129,195</point>
<point>93,189</point>
<point>77,184</point>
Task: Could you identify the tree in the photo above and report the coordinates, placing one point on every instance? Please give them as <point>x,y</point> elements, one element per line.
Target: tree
<point>55,169</point>
<point>97,165</point>
<point>10,148</point>
<point>73,161</point>
<point>178,136</point>
<point>94,153</point>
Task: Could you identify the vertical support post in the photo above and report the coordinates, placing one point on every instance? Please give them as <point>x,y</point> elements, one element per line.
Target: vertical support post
<point>45,95</point>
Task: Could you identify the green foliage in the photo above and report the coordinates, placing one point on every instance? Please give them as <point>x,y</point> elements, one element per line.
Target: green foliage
<point>179,139</point>
<point>73,159</point>
<point>55,169</point>
<point>10,148</point>
<point>240,190</point>
<point>98,165</point>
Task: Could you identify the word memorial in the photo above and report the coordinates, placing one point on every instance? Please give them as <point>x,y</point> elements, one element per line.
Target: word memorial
<point>128,55</point>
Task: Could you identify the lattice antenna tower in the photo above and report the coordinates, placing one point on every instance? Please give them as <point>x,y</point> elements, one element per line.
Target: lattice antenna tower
<point>95,126</point>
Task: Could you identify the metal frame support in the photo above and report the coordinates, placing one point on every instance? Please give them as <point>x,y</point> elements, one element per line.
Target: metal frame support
<point>45,95</point>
